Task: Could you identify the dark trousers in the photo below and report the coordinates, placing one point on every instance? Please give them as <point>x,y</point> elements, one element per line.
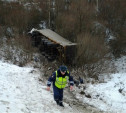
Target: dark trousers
<point>58,93</point>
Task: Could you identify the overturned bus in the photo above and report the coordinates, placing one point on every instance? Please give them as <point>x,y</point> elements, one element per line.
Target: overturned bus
<point>53,46</point>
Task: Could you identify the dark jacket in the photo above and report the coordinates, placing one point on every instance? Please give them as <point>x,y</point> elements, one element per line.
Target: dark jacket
<point>53,78</point>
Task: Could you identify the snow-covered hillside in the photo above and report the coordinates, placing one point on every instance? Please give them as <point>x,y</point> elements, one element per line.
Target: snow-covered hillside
<point>110,95</point>
<point>22,92</point>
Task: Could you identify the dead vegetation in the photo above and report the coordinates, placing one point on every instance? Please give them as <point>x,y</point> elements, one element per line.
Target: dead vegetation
<point>73,20</point>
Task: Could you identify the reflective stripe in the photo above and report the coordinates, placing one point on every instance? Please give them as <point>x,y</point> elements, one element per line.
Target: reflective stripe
<point>48,82</point>
<point>72,82</point>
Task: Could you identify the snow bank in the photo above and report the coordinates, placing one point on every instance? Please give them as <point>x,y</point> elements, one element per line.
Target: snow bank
<point>21,92</point>
<point>111,95</point>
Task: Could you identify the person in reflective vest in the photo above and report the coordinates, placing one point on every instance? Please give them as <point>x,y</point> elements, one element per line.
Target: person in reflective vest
<point>60,79</point>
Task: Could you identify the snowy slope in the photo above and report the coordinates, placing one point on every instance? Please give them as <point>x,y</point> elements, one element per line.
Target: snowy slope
<point>109,96</point>
<point>21,92</point>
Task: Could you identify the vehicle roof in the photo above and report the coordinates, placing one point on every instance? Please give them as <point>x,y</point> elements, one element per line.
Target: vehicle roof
<point>55,37</point>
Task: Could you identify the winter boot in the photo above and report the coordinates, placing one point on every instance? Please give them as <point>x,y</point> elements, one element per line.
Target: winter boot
<point>61,104</point>
<point>57,101</point>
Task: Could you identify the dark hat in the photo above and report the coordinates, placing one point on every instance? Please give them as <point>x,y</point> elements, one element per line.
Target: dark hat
<point>63,68</point>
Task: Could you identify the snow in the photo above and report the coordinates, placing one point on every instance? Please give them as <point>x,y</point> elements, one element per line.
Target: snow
<point>22,92</point>
<point>107,96</point>
<point>33,29</point>
<point>110,99</point>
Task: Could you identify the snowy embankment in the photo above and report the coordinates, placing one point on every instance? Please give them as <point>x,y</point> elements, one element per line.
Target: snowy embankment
<point>110,95</point>
<point>21,92</point>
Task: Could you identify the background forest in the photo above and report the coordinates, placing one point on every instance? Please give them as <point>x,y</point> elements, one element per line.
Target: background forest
<point>98,26</point>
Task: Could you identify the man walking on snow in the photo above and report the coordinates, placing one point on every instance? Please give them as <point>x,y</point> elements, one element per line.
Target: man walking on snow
<point>59,79</point>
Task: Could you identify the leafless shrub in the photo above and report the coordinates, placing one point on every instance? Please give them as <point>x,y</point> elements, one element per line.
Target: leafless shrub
<point>67,23</point>
<point>75,20</point>
<point>112,14</point>
<point>94,70</point>
<point>24,43</point>
<point>90,49</point>
<point>18,50</point>
<point>15,15</point>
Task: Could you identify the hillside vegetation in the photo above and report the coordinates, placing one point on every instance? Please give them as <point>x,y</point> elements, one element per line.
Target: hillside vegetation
<point>98,28</point>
